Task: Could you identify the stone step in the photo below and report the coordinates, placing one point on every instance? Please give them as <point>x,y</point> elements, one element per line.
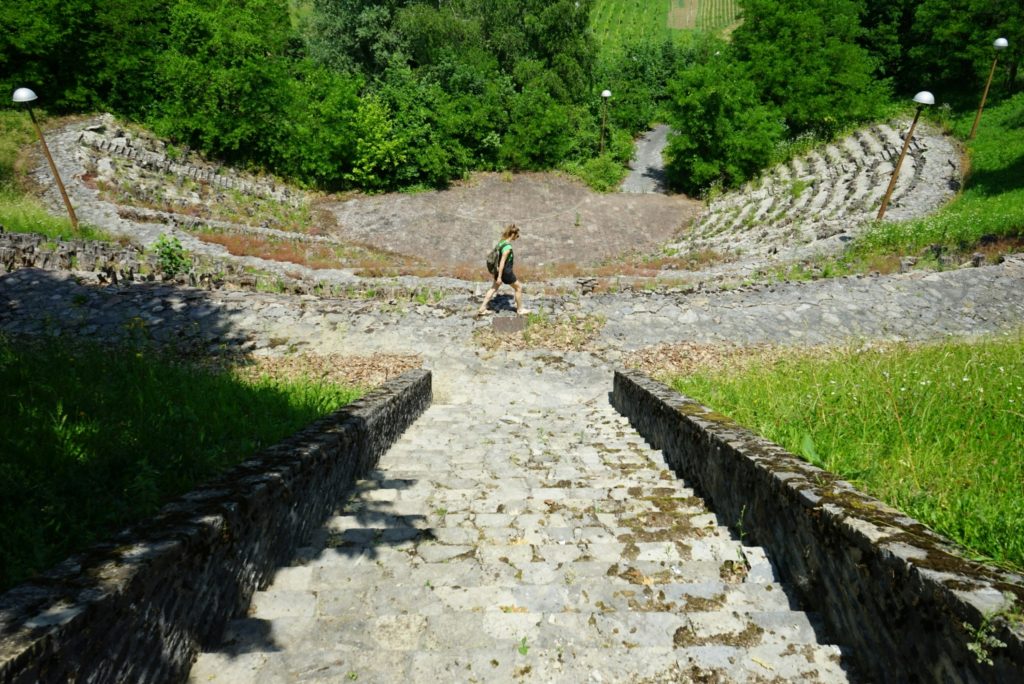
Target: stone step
<point>564,529</point>
<point>441,627</point>
<point>518,660</point>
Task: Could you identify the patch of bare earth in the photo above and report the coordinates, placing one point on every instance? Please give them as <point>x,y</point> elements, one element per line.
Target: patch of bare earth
<point>562,222</point>
<point>687,358</point>
<point>683,14</point>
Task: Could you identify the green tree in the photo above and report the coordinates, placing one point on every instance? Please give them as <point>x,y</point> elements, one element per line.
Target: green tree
<point>805,57</point>
<point>225,75</point>
<point>41,47</point>
<point>952,39</point>
<point>723,133</point>
<point>539,134</point>
<point>888,26</point>
<point>356,35</point>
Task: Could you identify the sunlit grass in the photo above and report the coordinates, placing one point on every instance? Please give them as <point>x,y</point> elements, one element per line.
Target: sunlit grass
<point>935,430</point>
<point>95,439</point>
<point>991,205</point>
<point>21,212</point>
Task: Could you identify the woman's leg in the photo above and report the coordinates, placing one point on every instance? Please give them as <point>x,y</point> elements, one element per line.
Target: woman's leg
<point>519,298</point>
<point>487,297</point>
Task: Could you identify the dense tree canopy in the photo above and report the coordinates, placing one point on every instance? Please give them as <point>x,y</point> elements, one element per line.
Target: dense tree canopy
<point>381,94</point>
<point>804,57</point>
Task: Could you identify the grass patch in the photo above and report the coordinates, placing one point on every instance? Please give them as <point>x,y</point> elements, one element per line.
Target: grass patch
<point>21,212</point>
<point>936,430</point>
<point>96,439</point>
<point>991,206</point>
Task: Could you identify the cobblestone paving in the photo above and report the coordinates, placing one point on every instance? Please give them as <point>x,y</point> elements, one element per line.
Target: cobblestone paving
<point>913,306</point>
<point>522,531</point>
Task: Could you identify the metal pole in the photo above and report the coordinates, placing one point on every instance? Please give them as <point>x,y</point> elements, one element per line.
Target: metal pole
<point>53,167</point>
<point>604,119</point>
<point>984,96</point>
<point>896,170</point>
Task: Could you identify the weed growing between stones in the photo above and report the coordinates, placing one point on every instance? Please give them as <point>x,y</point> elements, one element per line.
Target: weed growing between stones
<point>570,333</point>
<point>936,430</point>
<point>171,256</point>
<point>983,639</point>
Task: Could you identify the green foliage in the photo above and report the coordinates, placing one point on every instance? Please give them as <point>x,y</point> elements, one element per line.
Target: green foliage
<point>226,75</point>
<point>791,69</point>
<point>983,639</point>
<point>83,54</point>
<point>723,133</point>
<point>171,256</point>
<point>95,439</point>
<point>952,39</point>
<point>934,430</point>
<point>539,134</point>
<point>603,173</point>
<point>355,35</point>
<point>805,58</point>
<point>638,75</point>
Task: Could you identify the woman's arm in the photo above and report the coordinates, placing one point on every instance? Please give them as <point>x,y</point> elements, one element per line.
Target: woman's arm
<point>501,265</point>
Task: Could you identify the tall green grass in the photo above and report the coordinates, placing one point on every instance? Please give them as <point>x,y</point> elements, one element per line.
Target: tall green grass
<point>94,439</point>
<point>21,212</point>
<point>935,430</point>
<point>992,201</point>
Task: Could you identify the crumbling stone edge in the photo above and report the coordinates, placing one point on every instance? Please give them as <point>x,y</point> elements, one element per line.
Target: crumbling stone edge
<point>900,597</point>
<point>141,606</point>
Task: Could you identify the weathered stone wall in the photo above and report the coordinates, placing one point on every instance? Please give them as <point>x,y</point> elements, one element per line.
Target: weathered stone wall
<point>108,138</point>
<point>138,608</point>
<point>894,592</point>
<point>112,262</point>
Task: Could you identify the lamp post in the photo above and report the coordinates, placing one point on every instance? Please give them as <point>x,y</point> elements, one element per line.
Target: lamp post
<point>26,97</point>
<point>922,98</point>
<point>999,44</point>
<point>605,94</point>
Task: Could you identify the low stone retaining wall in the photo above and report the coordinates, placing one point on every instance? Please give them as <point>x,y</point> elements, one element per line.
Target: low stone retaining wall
<point>138,608</point>
<point>898,595</point>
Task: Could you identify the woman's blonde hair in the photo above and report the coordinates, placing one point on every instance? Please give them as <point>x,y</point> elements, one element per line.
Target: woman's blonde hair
<point>510,232</point>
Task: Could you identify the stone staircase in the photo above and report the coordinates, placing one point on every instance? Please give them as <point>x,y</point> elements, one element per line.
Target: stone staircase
<point>819,200</point>
<point>544,542</point>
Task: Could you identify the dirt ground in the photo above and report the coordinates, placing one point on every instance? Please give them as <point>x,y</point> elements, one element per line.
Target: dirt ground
<point>561,221</point>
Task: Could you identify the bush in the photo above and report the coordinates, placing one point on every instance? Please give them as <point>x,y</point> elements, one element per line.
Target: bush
<point>171,256</point>
<point>603,174</point>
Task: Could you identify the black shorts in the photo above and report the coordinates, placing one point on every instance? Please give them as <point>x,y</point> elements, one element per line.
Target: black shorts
<point>507,276</point>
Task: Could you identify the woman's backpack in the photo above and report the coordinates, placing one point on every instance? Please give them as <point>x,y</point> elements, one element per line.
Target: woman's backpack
<point>494,258</point>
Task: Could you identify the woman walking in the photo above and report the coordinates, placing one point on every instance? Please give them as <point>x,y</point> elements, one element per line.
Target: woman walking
<point>504,272</point>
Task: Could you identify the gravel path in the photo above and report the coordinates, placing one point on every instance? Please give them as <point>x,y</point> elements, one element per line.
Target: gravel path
<point>647,169</point>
